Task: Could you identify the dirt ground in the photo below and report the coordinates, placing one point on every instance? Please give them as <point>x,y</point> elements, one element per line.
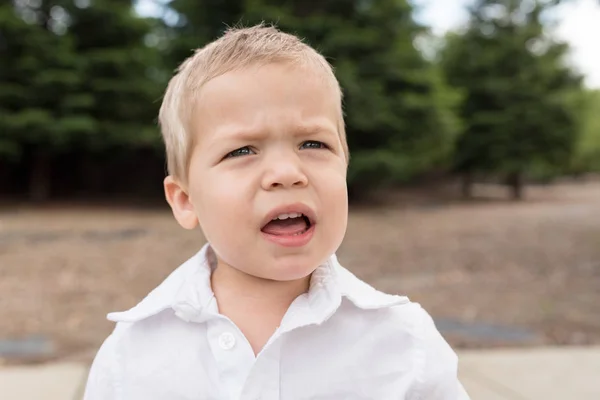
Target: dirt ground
<point>533,265</point>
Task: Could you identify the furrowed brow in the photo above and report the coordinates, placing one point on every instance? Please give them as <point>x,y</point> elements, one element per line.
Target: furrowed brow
<point>315,129</point>
<point>241,135</point>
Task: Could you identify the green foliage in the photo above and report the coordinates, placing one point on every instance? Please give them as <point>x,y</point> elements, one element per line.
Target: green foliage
<point>86,85</point>
<point>516,113</point>
<point>122,94</point>
<point>74,79</point>
<point>587,154</point>
<point>39,76</point>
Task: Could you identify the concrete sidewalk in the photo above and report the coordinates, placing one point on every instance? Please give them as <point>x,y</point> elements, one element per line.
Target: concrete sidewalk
<point>519,374</point>
<point>64,381</point>
<point>532,374</point>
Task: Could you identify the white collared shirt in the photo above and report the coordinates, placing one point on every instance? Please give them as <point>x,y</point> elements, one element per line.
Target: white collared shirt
<point>341,340</point>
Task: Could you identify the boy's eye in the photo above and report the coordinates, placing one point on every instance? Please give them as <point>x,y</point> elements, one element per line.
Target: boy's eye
<point>242,151</point>
<point>313,144</point>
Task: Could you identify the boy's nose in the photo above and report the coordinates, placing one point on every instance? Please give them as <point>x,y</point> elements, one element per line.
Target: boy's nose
<point>284,173</point>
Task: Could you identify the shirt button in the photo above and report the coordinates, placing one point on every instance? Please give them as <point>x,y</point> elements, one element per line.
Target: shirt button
<point>226,341</point>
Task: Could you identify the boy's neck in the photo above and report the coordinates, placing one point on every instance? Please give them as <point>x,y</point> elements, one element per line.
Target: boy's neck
<point>255,305</point>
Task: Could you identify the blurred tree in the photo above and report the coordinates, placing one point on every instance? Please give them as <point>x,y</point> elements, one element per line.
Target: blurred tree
<point>39,80</point>
<point>516,88</point>
<point>191,24</point>
<point>399,112</point>
<point>587,155</point>
<point>76,76</point>
<point>123,77</point>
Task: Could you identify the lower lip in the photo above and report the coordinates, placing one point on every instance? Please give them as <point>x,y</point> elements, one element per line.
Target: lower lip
<point>292,240</point>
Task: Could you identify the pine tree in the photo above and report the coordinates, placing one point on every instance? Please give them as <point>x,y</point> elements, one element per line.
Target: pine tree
<point>74,77</point>
<point>516,87</point>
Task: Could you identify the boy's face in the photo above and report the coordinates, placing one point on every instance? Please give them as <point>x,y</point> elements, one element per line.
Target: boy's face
<point>266,144</point>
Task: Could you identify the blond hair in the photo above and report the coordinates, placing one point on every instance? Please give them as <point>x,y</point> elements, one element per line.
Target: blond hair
<point>236,49</point>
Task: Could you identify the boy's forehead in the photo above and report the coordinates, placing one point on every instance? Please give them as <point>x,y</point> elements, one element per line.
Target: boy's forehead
<point>245,90</point>
<point>308,70</point>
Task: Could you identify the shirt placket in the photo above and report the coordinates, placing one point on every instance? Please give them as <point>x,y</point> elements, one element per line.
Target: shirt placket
<point>244,376</point>
<point>263,380</point>
<point>233,355</point>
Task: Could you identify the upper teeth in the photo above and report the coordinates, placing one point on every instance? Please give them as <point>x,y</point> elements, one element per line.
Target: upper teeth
<point>286,216</point>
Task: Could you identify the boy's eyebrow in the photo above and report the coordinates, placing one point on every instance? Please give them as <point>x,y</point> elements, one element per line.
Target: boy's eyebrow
<point>314,129</point>
<point>241,134</point>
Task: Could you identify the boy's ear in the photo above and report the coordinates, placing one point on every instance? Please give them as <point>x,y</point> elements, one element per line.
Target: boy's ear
<point>180,203</point>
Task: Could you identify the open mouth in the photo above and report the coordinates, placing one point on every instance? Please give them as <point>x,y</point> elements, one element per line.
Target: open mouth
<point>291,224</point>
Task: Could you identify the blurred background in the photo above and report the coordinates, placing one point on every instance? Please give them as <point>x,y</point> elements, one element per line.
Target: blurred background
<point>474,128</point>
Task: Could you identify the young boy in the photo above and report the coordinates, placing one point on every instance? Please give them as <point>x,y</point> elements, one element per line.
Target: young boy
<point>257,158</point>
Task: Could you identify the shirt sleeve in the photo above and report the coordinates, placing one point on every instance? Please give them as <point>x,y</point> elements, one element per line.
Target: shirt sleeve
<point>101,384</point>
<point>439,365</point>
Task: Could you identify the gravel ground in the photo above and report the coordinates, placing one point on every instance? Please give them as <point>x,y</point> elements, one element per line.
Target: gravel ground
<point>533,265</point>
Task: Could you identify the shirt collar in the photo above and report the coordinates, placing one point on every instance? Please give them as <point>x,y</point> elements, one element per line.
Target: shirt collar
<point>188,293</point>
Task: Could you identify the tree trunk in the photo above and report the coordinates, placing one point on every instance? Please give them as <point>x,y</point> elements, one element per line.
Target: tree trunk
<point>467,185</point>
<point>40,177</point>
<point>515,182</point>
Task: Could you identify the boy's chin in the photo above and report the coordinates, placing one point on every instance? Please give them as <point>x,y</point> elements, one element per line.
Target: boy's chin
<point>292,270</point>
<point>277,269</point>
<point>275,266</point>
